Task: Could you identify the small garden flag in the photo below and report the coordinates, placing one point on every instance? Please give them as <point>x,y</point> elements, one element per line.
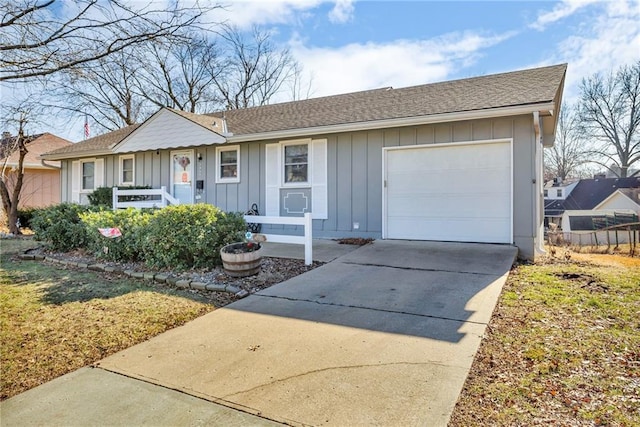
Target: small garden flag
<point>110,232</point>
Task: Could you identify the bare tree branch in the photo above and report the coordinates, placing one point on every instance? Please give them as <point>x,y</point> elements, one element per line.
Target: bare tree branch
<point>569,152</point>
<point>610,116</point>
<point>42,37</point>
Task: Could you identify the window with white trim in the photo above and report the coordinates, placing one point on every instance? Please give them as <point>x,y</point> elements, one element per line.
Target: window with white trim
<point>296,163</point>
<point>228,164</point>
<point>88,176</point>
<point>127,169</point>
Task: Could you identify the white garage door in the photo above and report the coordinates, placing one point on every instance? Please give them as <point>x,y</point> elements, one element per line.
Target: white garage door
<point>458,192</point>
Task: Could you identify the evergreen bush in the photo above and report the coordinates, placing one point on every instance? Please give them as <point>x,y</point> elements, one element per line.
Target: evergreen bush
<point>60,226</point>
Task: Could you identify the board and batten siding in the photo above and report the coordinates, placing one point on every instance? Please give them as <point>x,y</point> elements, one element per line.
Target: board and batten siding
<point>354,174</point>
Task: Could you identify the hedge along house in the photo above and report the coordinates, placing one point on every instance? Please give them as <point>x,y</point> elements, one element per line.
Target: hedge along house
<point>451,161</point>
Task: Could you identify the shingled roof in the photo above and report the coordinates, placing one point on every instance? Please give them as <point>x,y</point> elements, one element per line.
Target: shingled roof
<point>534,86</point>
<point>36,145</point>
<point>97,145</point>
<point>589,193</point>
<point>519,88</point>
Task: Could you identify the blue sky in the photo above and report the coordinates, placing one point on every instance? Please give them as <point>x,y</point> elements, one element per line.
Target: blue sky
<point>355,45</point>
<point>346,46</point>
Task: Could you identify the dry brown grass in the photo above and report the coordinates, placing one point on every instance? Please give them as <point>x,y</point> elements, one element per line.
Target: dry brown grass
<point>562,348</point>
<point>54,321</point>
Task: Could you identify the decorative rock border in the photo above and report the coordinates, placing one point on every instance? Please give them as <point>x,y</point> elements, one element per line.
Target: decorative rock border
<point>150,276</point>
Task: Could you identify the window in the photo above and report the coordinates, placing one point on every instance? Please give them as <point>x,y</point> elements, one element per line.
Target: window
<point>127,170</point>
<point>296,163</point>
<point>227,164</point>
<point>88,175</point>
<point>546,193</point>
<point>559,192</point>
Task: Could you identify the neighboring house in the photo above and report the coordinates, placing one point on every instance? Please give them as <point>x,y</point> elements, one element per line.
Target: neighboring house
<point>41,181</point>
<point>559,190</point>
<point>595,203</point>
<point>452,161</point>
<point>596,194</point>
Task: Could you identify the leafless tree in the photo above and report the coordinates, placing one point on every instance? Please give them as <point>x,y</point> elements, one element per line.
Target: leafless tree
<point>106,91</point>
<point>180,74</point>
<point>43,37</point>
<point>194,73</point>
<point>12,180</point>
<point>254,70</point>
<point>610,117</point>
<point>570,150</point>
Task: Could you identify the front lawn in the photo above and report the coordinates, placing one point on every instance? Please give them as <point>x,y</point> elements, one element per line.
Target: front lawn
<point>562,348</point>
<point>54,321</point>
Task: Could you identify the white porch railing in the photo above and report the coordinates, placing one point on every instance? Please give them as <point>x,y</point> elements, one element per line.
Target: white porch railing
<point>160,200</point>
<point>305,240</point>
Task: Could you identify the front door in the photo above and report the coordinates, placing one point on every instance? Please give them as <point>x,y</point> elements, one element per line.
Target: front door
<point>182,176</point>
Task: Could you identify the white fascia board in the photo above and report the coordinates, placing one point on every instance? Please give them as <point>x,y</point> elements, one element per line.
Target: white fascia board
<point>76,155</point>
<point>391,123</point>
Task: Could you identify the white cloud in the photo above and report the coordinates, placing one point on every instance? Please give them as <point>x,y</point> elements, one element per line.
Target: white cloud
<point>610,41</point>
<point>246,13</point>
<point>562,10</point>
<point>361,66</point>
<point>342,12</point>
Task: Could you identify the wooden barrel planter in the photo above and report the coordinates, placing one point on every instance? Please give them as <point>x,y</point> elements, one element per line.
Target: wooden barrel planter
<point>241,259</point>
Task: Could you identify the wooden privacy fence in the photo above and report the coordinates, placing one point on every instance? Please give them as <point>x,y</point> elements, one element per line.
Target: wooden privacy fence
<point>143,198</point>
<point>305,239</point>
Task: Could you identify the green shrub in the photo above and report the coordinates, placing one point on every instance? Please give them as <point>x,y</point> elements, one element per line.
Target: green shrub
<point>60,226</point>
<point>132,224</point>
<point>103,196</point>
<point>187,236</point>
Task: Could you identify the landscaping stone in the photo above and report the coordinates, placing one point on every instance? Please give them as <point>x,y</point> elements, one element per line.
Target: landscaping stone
<point>129,273</point>
<point>82,265</point>
<point>149,276</point>
<point>96,267</point>
<point>183,283</point>
<point>198,286</point>
<point>216,287</point>
<point>172,280</point>
<point>161,278</point>
<point>137,275</point>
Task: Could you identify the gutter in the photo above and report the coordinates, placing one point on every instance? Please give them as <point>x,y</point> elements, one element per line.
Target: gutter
<point>42,162</point>
<point>347,127</point>
<point>391,123</point>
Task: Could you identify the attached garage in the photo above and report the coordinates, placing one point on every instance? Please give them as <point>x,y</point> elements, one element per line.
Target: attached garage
<point>460,192</point>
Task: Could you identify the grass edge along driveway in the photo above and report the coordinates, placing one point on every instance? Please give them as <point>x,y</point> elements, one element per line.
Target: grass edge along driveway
<point>562,347</point>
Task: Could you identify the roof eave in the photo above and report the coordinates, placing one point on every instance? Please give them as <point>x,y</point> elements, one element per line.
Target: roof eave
<point>76,154</point>
<point>392,123</point>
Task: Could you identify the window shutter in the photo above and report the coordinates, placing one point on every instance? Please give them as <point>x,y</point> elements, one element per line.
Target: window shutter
<point>99,174</point>
<point>272,179</point>
<point>76,181</point>
<point>319,196</point>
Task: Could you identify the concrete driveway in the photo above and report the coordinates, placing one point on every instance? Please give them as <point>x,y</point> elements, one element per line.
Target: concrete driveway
<point>384,335</point>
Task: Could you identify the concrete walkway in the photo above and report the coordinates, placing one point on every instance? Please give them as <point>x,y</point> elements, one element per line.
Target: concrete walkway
<point>383,335</point>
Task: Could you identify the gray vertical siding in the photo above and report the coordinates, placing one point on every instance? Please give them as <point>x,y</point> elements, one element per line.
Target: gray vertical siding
<point>354,174</point>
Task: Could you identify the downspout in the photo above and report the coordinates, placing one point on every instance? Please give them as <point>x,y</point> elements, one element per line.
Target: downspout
<point>537,183</point>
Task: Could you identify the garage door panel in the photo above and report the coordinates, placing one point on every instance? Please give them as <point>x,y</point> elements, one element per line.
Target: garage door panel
<point>465,182</point>
<point>458,192</point>
<point>451,230</point>
<point>443,205</point>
